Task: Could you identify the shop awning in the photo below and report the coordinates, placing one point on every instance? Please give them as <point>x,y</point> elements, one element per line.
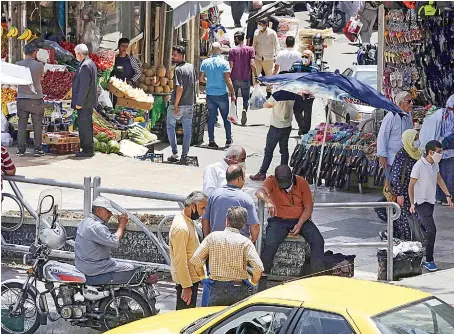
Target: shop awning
<point>15,75</point>
<point>183,11</point>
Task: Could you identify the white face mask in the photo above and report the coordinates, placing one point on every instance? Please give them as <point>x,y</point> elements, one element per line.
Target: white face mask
<point>437,157</point>
<point>416,144</point>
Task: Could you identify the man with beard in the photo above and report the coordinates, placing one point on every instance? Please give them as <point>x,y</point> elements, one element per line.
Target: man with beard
<point>242,64</point>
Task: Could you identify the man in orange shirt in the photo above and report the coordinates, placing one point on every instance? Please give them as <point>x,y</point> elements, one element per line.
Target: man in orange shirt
<point>290,201</point>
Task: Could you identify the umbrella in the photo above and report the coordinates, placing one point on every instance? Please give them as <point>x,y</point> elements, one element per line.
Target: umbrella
<point>333,86</point>
<point>15,75</point>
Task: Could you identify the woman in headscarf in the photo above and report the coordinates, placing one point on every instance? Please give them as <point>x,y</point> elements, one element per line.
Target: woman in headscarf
<point>401,168</point>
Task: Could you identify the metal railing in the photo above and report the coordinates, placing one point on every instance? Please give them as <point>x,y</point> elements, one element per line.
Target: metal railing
<point>94,188</point>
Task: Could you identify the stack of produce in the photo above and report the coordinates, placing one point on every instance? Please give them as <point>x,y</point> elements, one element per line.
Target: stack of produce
<point>103,144</point>
<point>128,96</point>
<point>57,84</point>
<point>156,80</point>
<point>100,125</point>
<point>8,95</point>
<point>140,136</point>
<point>103,60</point>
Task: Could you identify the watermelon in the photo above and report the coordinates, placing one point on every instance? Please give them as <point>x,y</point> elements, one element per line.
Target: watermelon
<point>103,148</point>
<point>114,147</point>
<point>102,137</point>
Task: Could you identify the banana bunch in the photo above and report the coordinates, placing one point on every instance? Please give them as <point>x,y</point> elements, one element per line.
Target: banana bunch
<point>13,32</point>
<point>26,35</point>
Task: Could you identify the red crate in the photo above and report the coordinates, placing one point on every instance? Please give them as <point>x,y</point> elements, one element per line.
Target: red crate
<point>68,148</point>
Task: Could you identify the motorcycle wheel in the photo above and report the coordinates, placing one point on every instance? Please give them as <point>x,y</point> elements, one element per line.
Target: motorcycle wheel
<point>132,307</point>
<point>27,321</point>
<point>338,21</point>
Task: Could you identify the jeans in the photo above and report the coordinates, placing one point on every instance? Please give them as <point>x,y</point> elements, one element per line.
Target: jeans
<point>181,304</point>
<point>222,103</point>
<point>245,87</point>
<point>85,123</point>
<point>25,108</point>
<point>226,293</point>
<point>276,136</point>
<point>425,212</point>
<point>303,114</point>
<point>185,113</point>
<point>276,232</point>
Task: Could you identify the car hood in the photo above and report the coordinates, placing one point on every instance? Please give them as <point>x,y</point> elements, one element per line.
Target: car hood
<point>362,108</point>
<point>166,323</point>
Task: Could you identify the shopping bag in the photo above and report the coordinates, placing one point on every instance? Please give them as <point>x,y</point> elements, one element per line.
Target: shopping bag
<point>232,117</point>
<point>258,98</point>
<point>352,28</point>
<point>417,231</point>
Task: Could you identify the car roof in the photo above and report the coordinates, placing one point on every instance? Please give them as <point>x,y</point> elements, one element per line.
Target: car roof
<point>333,293</point>
<point>364,68</point>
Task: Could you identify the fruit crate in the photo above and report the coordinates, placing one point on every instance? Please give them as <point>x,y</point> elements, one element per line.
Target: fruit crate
<point>61,149</point>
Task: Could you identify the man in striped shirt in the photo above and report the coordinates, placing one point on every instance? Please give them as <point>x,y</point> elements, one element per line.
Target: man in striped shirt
<point>8,167</point>
<point>228,253</point>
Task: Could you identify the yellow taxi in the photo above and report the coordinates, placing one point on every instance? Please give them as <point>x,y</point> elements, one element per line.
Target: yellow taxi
<point>319,305</point>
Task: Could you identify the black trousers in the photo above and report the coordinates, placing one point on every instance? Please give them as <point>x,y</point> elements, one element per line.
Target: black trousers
<point>425,213</point>
<point>181,304</point>
<point>303,114</point>
<point>85,123</point>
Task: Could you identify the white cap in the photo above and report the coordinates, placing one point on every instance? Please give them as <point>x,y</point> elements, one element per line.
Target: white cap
<point>103,202</point>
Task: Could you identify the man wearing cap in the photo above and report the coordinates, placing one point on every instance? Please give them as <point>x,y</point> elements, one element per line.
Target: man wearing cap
<point>94,241</point>
<point>30,102</point>
<point>290,203</point>
<point>389,140</point>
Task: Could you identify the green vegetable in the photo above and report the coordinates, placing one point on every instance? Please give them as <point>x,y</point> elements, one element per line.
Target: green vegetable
<point>114,147</point>
<point>102,137</point>
<point>96,146</point>
<point>140,136</point>
<point>103,148</point>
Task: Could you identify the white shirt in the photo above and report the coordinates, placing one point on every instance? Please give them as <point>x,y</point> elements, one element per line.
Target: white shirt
<point>265,44</point>
<point>282,114</point>
<point>286,58</point>
<point>214,177</point>
<point>426,186</point>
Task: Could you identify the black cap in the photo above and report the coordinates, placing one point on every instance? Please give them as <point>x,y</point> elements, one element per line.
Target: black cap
<point>284,176</point>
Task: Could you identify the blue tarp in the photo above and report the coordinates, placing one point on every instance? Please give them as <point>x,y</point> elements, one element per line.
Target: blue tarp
<point>332,86</point>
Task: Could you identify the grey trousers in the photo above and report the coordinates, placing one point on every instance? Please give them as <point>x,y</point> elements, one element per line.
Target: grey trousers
<point>85,123</point>
<point>25,108</point>
<point>368,18</point>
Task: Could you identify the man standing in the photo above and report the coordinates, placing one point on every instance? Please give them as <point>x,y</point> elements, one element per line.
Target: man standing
<point>424,178</point>
<point>278,133</point>
<point>286,58</point>
<point>215,71</point>
<point>229,253</point>
<point>290,201</point>
<point>367,12</point>
<point>389,140</point>
<point>181,104</point>
<point>229,195</point>
<point>266,46</point>
<point>183,242</point>
<point>127,67</point>
<point>242,64</point>
<point>30,102</point>
<point>214,175</point>
<point>84,99</point>
<point>237,8</point>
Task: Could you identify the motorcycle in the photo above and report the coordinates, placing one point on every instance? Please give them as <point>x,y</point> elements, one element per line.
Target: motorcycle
<point>367,54</point>
<point>326,14</point>
<point>97,302</point>
<point>318,48</point>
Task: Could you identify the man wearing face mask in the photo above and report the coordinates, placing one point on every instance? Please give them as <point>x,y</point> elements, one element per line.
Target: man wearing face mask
<point>290,203</point>
<point>183,242</point>
<point>214,175</point>
<point>84,99</point>
<point>230,195</point>
<point>424,178</point>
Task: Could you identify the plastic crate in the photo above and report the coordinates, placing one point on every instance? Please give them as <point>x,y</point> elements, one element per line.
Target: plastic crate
<point>61,149</point>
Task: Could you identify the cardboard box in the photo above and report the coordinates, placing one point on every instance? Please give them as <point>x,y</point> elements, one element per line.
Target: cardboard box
<point>130,103</point>
<point>58,138</point>
<point>115,91</point>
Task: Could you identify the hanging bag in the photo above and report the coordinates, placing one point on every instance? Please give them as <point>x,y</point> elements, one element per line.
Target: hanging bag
<point>232,117</point>
<point>417,231</point>
<point>258,98</point>
<point>388,191</point>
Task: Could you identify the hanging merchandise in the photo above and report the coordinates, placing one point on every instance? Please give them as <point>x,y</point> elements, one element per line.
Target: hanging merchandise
<point>288,26</point>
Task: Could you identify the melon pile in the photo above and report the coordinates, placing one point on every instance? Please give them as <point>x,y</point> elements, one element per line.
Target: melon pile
<point>156,79</point>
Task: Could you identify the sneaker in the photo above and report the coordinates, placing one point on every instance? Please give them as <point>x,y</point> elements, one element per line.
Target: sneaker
<point>173,158</point>
<point>243,117</point>
<point>39,153</point>
<point>213,144</point>
<point>430,266</point>
<point>383,235</point>
<point>258,177</point>
<point>20,153</point>
<point>228,142</point>
<point>183,161</point>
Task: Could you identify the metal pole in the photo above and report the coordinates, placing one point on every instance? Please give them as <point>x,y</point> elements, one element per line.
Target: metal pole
<point>148,32</point>
<point>96,185</point>
<point>261,212</point>
<point>390,258</point>
<point>319,168</point>
<point>381,46</point>
<point>87,195</point>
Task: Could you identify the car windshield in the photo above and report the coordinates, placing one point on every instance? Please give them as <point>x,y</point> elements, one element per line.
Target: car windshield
<point>430,316</point>
<point>367,77</point>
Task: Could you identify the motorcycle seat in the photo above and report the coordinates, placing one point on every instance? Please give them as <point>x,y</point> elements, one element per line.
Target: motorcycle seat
<point>113,278</point>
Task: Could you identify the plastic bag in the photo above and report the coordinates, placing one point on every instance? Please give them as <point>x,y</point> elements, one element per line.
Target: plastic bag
<point>4,124</point>
<point>62,56</point>
<point>404,264</point>
<point>258,98</point>
<point>92,37</point>
<point>417,231</point>
<point>104,98</point>
<point>232,117</point>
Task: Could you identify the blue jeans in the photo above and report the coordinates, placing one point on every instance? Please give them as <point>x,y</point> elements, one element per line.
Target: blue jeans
<point>185,113</point>
<point>245,87</point>
<point>276,136</point>
<point>219,293</point>
<point>223,104</point>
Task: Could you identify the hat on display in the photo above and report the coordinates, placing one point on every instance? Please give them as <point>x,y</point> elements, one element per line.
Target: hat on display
<point>102,202</point>
<point>284,176</point>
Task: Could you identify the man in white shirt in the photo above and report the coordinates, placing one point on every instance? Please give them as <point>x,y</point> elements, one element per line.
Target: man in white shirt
<point>424,178</point>
<point>279,133</point>
<point>286,58</point>
<point>214,175</point>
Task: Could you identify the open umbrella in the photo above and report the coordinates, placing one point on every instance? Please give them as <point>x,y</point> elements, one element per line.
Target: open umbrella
<point>333,86</point>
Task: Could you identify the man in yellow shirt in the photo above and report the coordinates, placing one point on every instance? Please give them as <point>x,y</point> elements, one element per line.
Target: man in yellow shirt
<point>183,242</point>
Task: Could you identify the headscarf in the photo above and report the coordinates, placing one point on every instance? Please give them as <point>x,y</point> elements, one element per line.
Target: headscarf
<point>408,137</point>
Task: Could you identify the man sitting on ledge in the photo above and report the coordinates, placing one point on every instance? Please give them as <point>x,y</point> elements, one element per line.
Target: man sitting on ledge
<point>290,202</point>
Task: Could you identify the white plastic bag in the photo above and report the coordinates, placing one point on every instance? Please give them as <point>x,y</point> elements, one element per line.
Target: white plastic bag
<point>258,98</point>
<point>232,117</point>
<point>4,124</point>
<point>104,99</point>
